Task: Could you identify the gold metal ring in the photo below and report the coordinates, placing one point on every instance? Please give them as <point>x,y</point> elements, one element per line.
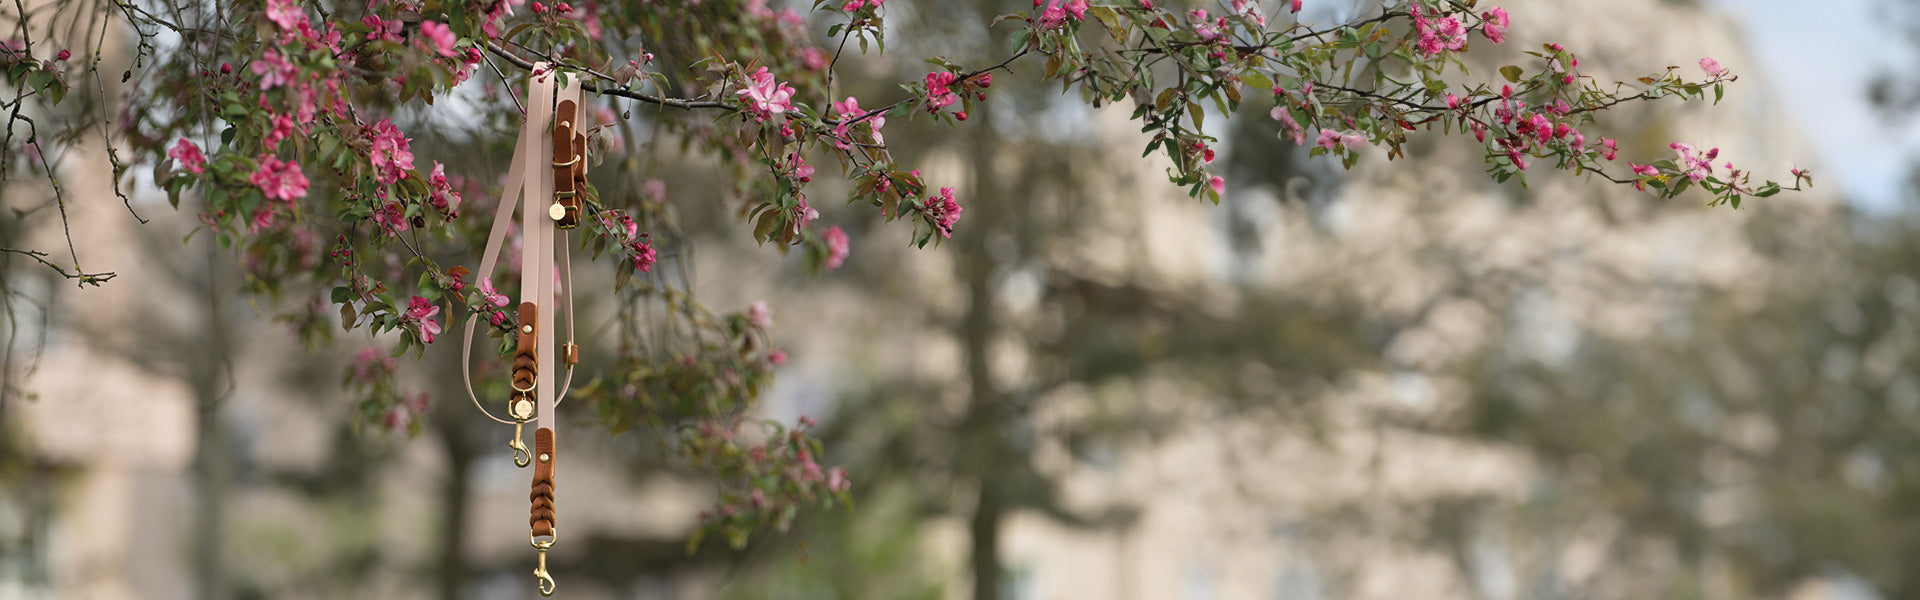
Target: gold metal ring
<point>551,538</point>
<point>516,388</point>
<point>576,159</point>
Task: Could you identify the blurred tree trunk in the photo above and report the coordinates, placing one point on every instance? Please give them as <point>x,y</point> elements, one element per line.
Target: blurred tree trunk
<point>461,452</point>
<point>213,452</point>
<point>986,427</point>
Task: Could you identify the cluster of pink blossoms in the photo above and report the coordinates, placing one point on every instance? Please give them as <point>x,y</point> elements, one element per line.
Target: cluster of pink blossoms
<point>401,415</point>
<point>279,180</point>
<point>765,97</point>
<point>440,35</point>
<point>371,365</point>
<point>847,111</point>
<point>944,211</point>
<point>1209,30</point>
<point>939,93</point>
<point>392,155</point>
<point>1057,13</point>
<point>1336,141</point>
<point>440,192</point>
<point>188,155</point>
<point>836,246</point>
<point>636,244</point>
<point>1438,34</point>
<point>853,5</point>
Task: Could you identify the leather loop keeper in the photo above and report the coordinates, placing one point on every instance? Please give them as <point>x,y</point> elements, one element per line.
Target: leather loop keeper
<point>572,202</point>
<point>526,351</point>
<point>566,162</point>
<point>542,517</point>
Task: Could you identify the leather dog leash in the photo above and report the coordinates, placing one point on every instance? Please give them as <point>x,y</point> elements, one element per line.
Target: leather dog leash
<point>530,186</point>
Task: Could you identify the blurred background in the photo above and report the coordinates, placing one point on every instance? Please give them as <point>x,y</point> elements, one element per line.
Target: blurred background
<point>1398,381</point>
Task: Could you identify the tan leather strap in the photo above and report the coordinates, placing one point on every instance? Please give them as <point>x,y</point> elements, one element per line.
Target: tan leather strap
<point>510,196</point>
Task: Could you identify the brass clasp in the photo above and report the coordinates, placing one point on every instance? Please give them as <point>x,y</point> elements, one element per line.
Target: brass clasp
<point>546,580</point>
<point>521,410</point>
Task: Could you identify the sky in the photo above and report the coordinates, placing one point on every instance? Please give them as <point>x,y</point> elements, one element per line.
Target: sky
<point>1819,63</point>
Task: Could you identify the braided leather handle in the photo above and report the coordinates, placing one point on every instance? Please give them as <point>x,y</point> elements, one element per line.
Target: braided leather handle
<point>542,517</point>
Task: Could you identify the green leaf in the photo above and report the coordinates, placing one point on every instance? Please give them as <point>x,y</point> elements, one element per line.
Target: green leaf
<point>1259,80</point>
<point>341,294</point>
<point>1512,73</point>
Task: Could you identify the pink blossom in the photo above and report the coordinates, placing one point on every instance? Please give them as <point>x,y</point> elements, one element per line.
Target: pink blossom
<point>1293,6</point>
<point>274,70</point>
<point>1208,31</point>
<point>1496,25</point>
<point>1644,170</point>
<point>777,357</point>
<point>1289,129</point>
<point>188,155</point>
<point>1218,184</point>
<point>1334,140</point>
<point>398,418</point>
<point>422,311</point>
<point>282,127</point>
<point>804,213</point>
<point>1696,165</point>
<point>382,30</point>
<point>836,240</point>
<point>1607,149</point>
<point>391,155</point>
<point>759,315</point>
<point>440,192</point>
<point>814,59</point>
<point>1249,9</point>
<point>417,402</point>
<point>766,97</point>
<point>801,170</point>
<point>391,217</point>
<point>279,180</point>
<point>370,364</point>
<point>441,36</point>
<point>1712,67</point>
<point>285,13</point>
<point>491,295</point>
<point>643,256</point>
<point>837,477</point>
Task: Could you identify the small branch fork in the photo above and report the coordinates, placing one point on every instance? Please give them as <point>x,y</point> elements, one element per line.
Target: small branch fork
<point>93,279</point>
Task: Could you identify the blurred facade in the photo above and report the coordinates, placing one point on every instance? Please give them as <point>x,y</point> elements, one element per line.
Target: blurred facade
<point>1398,381</point>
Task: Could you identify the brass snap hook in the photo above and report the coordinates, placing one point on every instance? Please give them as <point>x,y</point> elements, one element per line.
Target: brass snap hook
<point>546,580</point>
<point>521,410</point>
<point>521,456</point>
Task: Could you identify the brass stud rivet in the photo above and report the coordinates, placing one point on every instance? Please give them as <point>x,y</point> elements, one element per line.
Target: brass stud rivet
<point>526,329</point>
<point>544,457</point>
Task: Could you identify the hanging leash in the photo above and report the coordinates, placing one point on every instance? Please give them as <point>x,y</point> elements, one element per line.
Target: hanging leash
<point>544,229</point>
